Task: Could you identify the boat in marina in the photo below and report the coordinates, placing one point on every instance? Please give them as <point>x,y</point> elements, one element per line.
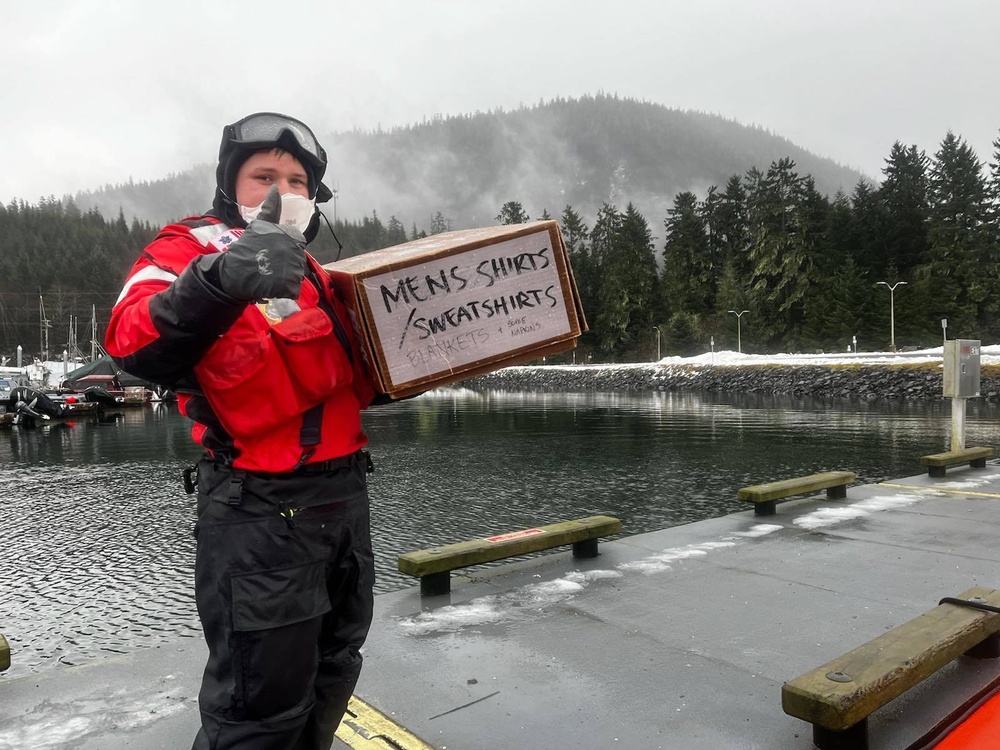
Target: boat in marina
<point>104,373</point>
<point>32,395</point>
<point>29,407</point>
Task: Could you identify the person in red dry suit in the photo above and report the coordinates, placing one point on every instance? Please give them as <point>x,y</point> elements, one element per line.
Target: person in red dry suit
<point>229,311</point>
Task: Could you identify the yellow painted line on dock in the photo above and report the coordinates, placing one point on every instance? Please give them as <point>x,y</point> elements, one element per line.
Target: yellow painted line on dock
<point>364,728</point>
<point>938,489</point>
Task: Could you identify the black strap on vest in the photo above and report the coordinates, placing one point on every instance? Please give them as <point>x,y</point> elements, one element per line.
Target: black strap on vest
<point>311,433</point>
<point>312,427</point>
<point>325,306</point>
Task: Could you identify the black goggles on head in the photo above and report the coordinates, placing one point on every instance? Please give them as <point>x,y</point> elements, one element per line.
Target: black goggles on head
<point>269,128</point>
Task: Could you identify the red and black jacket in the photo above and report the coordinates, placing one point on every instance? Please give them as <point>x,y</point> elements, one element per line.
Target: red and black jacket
<point>266,396</point>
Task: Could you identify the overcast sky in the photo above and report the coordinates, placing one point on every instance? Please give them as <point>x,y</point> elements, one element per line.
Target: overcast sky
<point>97,92</point>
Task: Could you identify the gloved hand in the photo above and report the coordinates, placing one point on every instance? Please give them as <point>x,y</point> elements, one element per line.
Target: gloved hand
<point>268,260</point>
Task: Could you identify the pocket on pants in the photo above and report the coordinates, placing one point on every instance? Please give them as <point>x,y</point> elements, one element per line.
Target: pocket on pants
<point>281,596</point>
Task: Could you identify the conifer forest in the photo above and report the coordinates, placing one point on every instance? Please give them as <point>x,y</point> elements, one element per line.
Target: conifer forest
<point>803,270</point>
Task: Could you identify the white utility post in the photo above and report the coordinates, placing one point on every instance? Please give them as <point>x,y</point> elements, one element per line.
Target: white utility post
<point>657,329</point>
<point>958,424</point>
<point>739,332</point>
<point>892,309</point>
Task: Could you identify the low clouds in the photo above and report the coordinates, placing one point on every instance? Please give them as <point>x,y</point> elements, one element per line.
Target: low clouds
<point>111,91</point>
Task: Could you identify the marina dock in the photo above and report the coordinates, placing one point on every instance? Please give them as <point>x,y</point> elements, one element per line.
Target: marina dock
<point>678,639</point>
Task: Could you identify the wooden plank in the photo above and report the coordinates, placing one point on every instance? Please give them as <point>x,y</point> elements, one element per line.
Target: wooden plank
<point>4,653</point>
<point>787,487</point>
<point>950,458</point>
<point>449,557</point>
<point>887,666</point>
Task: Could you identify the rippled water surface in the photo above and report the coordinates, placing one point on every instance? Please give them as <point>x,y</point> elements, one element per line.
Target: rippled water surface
<point>97,554</point>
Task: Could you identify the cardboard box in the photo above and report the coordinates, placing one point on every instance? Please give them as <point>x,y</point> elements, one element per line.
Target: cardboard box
<point>454,305</point>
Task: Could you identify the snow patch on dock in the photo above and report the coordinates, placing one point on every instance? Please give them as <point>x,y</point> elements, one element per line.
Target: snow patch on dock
<point>53,726</point>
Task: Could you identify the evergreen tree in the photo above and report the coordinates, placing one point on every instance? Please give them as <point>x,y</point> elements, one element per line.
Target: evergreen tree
<point>395,232</point>
<point>439,224</point>
<point>815,214</point>
<point>610,316</point>
<point>836,311</point>
<point>627,291</point>
<point>953,279</point>
<point>512,213</point>
<point>867,229</point>
<point>683,334</point>
<point>782,261</point>
<point>839,309</point>
<point>730,232</point>
<point>989,311</point>
<point>709,210</point>
<point>688,274</point>
<point>814,217</point>
<point>641,258</point>
<point>904,194</point>
<point>993,194</point>
<point>576,235</point>
<point>904,203</point>
<point>733,293</point>
<point>372,235</point>
<point>731,221</point>
<point>574,230</point>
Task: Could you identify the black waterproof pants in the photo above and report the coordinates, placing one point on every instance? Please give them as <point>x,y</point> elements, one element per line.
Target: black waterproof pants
<point>283,584</point>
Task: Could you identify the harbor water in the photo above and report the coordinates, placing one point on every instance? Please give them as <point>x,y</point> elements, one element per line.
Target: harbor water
<point>97,554</point>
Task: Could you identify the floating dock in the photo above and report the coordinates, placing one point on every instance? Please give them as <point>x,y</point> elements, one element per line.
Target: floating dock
<point>678,639</point>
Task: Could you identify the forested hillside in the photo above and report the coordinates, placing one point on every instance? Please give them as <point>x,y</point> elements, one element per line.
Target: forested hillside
<point>72,264</point>
<point>804,270</point>
<point>583,152</point>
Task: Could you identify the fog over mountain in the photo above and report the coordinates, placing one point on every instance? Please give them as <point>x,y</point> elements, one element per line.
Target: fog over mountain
<point>582,152</point>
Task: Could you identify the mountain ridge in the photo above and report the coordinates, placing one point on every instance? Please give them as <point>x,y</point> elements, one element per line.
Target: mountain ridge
<point>568,151</point>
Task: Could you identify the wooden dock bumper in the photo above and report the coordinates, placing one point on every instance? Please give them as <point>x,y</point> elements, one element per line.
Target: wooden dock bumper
<point>434,565</point>
<point>838,697</point>
<point>764,496</point>
<point>937,463</point>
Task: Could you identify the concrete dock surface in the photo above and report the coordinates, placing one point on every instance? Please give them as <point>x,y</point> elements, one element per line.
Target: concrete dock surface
<point>677,639</point>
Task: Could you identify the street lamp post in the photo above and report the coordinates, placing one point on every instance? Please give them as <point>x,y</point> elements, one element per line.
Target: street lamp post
<point>657,329</point>
<point>739,332</point>
<point>892,310</point>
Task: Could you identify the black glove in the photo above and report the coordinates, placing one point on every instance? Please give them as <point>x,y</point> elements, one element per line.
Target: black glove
<point>267,261</point>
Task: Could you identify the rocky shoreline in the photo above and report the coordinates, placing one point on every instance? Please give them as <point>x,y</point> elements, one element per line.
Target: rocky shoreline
<point>921,381</point>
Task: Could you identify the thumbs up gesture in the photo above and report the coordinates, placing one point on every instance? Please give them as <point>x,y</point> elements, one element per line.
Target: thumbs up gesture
<point>268,260</point>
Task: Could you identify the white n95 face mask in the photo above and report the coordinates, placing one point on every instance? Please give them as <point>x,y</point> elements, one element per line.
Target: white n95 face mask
<point>296,211</point>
